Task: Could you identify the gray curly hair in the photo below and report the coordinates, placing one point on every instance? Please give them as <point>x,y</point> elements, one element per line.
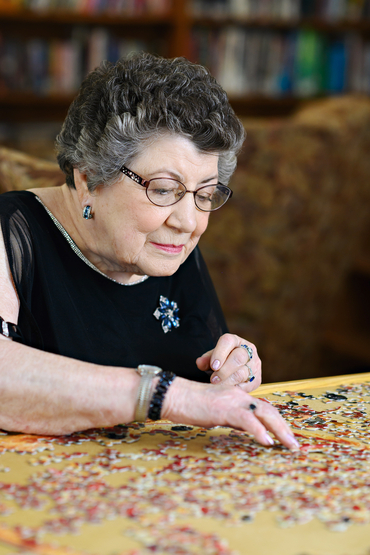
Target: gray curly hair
<point>122,107</point>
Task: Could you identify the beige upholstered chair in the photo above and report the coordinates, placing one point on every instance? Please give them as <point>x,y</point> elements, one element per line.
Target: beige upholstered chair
<point>281,248</point>
<point>20,171</point>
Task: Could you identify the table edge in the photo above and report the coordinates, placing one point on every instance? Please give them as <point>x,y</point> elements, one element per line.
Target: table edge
<point>312,383</point>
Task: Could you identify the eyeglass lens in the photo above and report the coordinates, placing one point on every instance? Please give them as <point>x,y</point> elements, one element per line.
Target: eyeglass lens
<point>164,192</point>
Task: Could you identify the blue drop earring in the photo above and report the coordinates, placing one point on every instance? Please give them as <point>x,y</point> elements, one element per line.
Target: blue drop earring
<point>87,212</point>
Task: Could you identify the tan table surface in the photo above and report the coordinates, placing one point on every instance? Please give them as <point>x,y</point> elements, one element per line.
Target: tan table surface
<point>165,489</point>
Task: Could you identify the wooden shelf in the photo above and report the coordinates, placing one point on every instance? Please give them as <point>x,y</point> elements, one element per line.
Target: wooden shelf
<point>264,106</point>
<point>24,106</point>
<point>75,18</point>
<point>70,17</point>
<point>340,26</point>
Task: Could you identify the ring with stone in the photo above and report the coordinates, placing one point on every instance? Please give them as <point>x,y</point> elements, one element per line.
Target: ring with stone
<point>251,376</point>
<point>249,351</point>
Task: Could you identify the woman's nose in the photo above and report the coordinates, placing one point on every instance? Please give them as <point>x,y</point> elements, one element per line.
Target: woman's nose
<point>184,214</point>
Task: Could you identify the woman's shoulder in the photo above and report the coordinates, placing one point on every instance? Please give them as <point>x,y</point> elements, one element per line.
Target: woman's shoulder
<point>21,213</point>
<point>25,203</point>
<point>15,200</point>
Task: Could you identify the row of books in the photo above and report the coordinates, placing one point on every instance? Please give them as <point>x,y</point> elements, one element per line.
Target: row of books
<point>113,7</point>
<point>58,66</point>
<point>329,10</point>
<point>300,63</point>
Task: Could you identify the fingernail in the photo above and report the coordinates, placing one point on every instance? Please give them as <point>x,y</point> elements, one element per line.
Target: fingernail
<point>293,442</point>
<point>215,379</point>
<point>269,439</point>
<point>216,364</point>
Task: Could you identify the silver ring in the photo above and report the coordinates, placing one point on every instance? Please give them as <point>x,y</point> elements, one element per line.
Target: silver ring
<point>249,351</point>
<point>251,376</point>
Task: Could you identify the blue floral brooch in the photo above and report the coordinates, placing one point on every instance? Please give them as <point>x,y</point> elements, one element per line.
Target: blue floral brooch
<point>168,313</point>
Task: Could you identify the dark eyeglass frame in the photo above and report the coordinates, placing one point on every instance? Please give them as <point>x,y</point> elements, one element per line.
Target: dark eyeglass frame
<point>145,183</point>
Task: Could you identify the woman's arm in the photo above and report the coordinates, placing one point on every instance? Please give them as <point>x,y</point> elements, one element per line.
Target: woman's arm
<point>49,394</point>
<point>44,393</point>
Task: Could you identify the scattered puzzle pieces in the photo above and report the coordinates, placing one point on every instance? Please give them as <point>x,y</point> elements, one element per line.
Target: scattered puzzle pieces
<point>166,475</point>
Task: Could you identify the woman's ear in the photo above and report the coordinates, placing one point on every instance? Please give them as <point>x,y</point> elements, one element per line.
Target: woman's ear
<point>83,193</point>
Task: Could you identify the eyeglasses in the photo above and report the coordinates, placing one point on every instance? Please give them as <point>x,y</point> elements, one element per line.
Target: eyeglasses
<point>164,191</point>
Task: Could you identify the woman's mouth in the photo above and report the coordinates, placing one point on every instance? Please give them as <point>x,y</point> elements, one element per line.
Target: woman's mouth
<point>170,249</point>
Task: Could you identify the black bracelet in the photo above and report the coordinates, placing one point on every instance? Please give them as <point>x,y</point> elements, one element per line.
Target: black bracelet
<point>165,380</point>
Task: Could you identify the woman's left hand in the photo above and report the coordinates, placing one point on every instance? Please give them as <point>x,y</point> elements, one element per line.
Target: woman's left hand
<point>230,363</point>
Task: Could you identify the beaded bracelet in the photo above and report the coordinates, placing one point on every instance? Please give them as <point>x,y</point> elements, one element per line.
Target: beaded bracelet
<point>165,380</point>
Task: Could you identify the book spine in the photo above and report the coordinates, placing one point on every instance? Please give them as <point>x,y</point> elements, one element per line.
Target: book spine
<point>337,66</point>
<point>307,63</point>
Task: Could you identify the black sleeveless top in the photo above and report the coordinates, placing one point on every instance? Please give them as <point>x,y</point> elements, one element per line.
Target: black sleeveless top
<point>68,308</point>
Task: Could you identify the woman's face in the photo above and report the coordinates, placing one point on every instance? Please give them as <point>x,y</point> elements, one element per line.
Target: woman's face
<point>137,237</point>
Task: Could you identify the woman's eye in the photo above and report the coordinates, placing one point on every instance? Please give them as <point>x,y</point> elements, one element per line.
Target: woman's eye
<point>162,191</point>
<point>204,197</point>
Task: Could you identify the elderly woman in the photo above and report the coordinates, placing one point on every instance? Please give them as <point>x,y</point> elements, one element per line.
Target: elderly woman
<point>108,314</point>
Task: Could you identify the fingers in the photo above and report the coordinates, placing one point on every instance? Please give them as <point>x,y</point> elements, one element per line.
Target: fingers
<point>258,423</point>
<point>258,417</point>
<point>231,363</point>
<point>225,345</point>
<point>204,362</point>
<point>269,419</point>
<point>247,422</point>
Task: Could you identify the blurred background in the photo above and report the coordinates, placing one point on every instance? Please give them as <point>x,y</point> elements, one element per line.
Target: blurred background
<point>290,253</point>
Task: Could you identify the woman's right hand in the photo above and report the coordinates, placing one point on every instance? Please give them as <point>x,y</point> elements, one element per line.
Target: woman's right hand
<point>199,404</point>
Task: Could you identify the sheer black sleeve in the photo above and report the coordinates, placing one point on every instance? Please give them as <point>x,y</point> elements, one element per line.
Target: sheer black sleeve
<point>18,246</point>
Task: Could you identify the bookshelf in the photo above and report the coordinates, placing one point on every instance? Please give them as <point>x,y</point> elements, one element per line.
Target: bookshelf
<point>45,55</point>
<point>300,51</point>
